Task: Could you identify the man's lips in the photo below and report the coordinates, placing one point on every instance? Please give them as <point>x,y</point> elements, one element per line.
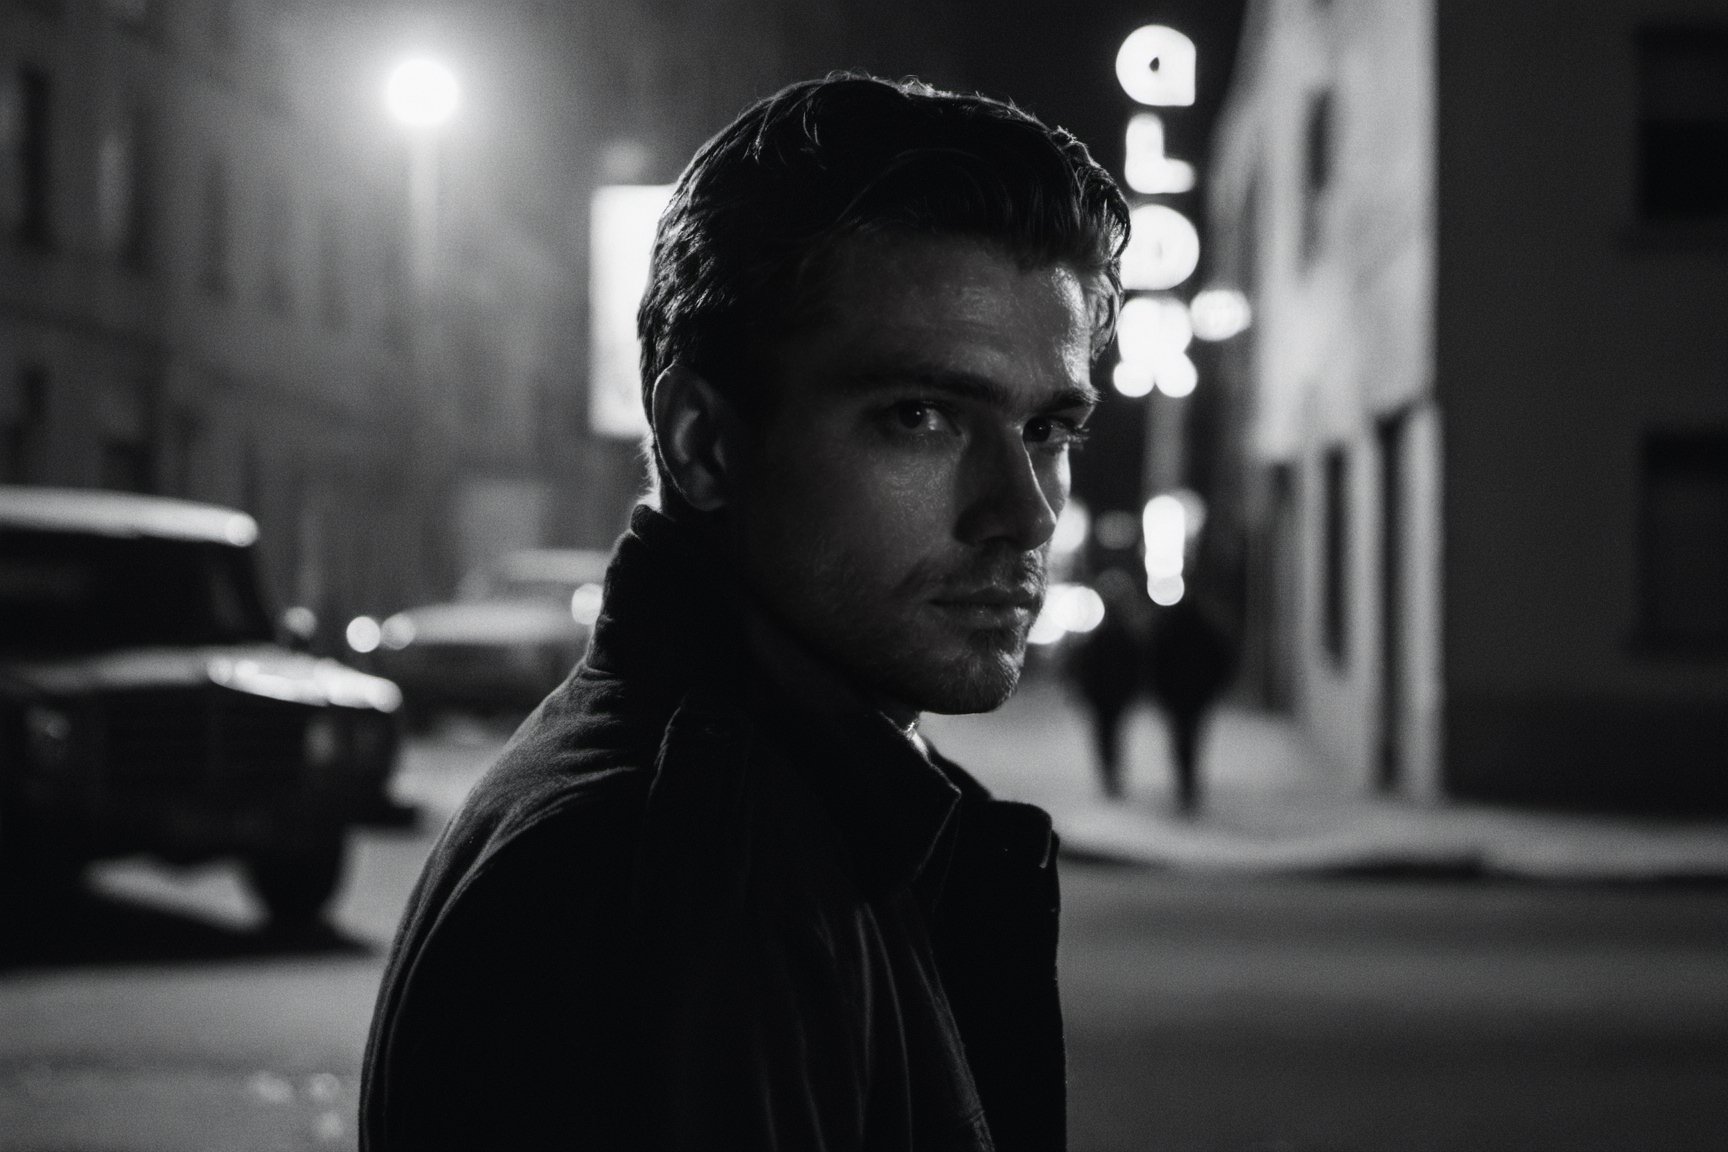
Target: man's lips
<point>991,607</point>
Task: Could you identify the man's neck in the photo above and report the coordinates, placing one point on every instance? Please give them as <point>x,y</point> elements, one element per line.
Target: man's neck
<point>812,682</point>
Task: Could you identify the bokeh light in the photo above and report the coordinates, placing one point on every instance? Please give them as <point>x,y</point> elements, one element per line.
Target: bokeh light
<point>364,634</point>
<point>1071,528</point>
<point>1176,376</point>
<point>1133,379</point>
<point>585,604</point>
<point>1165,590</point>
<point>397,632</point>
<point>421,93</point>
<point>1220,313</point>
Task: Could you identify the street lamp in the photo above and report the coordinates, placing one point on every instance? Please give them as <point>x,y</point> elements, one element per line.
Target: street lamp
<point>422,94</point>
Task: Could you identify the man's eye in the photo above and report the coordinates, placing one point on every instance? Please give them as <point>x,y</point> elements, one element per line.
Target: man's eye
<point>1054,432</point>
<point>920,416</point>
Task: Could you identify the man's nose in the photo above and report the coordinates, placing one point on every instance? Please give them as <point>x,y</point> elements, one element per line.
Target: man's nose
<point>1007,497</point>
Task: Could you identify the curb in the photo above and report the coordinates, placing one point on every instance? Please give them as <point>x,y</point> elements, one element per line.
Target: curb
<point>1110,840</point>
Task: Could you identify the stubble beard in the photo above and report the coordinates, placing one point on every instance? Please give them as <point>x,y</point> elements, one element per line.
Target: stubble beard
<point>923,663</point>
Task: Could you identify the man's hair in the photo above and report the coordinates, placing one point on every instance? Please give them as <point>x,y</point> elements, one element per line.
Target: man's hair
<point>742,250</point>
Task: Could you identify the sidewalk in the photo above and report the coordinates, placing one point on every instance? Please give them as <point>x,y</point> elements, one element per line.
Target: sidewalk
<point>1270,808</point>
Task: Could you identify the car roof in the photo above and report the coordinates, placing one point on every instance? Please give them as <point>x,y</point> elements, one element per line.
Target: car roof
<point>123,514</point>
<point>580,564</point>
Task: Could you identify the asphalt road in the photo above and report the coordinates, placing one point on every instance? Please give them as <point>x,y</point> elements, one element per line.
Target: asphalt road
<point>1225,1016</point>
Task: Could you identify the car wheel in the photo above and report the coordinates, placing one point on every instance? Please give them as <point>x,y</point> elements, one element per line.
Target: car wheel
<point>296,879</point>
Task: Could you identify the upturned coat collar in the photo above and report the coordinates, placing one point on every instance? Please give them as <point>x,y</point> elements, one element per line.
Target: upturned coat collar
<point>672,626</point>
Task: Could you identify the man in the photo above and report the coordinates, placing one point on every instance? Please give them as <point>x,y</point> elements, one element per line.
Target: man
<point>718,892</point>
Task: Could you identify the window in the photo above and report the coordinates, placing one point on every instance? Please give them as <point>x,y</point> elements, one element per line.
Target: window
<point>186,433</point>
<point>123,159</point>
<point>214,275</point>
<point>394,272</point>
<point>1317,169</point>
<point>1335,555</point>
<point>22,433</point>
<point>278,246</point>
<point>135,250</point>
<point>332,283</point>
<point>1683,123</point>
<point>1684,582</point>
<point>35,157</point>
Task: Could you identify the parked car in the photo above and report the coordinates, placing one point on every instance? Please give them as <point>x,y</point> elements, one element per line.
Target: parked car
<point>516,628</point>
<point>149,703</point>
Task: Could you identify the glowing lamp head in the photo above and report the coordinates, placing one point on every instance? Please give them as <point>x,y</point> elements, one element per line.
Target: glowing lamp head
<point>421,93</point>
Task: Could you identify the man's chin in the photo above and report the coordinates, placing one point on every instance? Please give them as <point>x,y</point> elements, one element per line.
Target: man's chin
<point>975,686</point>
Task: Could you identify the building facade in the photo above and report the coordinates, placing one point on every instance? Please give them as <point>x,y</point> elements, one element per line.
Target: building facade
<point>199,295</point>
<point>1484,406</point>
<point>226,274</point>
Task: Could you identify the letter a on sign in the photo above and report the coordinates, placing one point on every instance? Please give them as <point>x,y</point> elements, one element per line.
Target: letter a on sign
<point>1155,65</point>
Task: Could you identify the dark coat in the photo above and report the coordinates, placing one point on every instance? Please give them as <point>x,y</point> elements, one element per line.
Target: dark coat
<point>680,913</point>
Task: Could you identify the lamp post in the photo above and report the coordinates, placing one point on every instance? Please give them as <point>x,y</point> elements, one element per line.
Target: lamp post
<point>422,94</point>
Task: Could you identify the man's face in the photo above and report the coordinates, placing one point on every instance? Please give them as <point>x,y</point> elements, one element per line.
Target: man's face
<point>895,505</point>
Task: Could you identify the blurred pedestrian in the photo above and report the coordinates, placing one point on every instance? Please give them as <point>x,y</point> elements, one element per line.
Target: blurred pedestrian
<point>1190,660</point>
<point>1105,668</point>
<point>719,892</point>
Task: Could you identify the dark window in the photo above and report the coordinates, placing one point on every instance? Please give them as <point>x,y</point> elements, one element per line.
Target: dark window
<point>35,157</point>
<point>23,432</point>
<point>332,284</point>
<point>1683,123</point>
<point>1317,165</point>
<point>1335,559</point>
<point>213,271</point>
<point>395,277</point>
<point>278,248</point>
<point>187,433</point>
<point>251,478</point>
<point>135,245</point>
<point>1685,540</point>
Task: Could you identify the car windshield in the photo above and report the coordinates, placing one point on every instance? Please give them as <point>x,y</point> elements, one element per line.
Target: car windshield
<point>64,591</point>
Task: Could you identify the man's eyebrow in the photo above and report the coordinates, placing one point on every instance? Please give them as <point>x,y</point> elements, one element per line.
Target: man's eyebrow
<point>971,386</point>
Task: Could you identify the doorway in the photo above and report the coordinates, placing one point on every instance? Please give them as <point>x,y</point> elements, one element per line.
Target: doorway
<point>1391,751</point>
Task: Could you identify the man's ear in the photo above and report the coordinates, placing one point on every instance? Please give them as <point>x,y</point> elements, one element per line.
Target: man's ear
<point>696,432</point>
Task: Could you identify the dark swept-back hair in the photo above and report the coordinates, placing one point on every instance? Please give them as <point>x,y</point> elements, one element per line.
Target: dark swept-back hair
<point>741,250</point>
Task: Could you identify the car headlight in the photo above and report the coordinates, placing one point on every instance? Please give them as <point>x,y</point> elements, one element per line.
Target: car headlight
<point>397,632</point>
<point>323,741</point>
<point>363,634</point>
<point>48,735</point>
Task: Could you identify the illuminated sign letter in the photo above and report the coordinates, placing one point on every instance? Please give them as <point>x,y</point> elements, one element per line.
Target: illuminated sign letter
<point>1163,249</point>
<point>1147,169</point>
<point>1155,66</point>
<point>1153,328</point>
<point>621,241</point>
<point>1220,313</point>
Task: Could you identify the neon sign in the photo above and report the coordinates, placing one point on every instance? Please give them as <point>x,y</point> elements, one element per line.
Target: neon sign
<point>1155,65</point>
